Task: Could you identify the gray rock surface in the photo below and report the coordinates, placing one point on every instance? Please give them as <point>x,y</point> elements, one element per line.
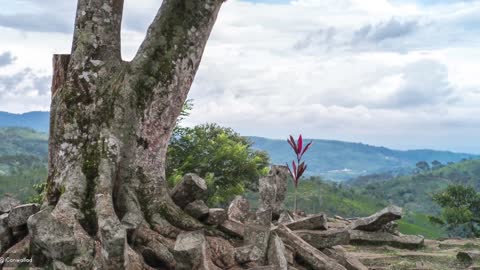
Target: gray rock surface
<point>190,189</point>
<point>314,222</point>
<point>216,216</point>
<point>378,220</point>
<point>197,209</point>
<point>248,253</point>
<point>339,254</point>
<point>273,189</point>
<point>238,209</point>
<point>191,251</point>
<point>7,203</point>
<point>276,253</point>
<point>5,233</point>
<point>19,215</point>
<point>233,227</point>
<point>325,239</point>
<point>313,257</point>
<point>384,238</point>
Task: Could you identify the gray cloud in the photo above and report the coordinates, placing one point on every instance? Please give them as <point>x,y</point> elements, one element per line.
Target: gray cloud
<point>6,59</point>
<point>394,28</point>
<point>37,22</point>
<point>425,83</point>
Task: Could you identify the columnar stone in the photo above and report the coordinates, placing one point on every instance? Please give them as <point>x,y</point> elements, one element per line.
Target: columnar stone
<point>384,238</point>
<point>191,188</point>
<point>325,239</point>
<point>216,216</point>
<point>7,203</point>
<point>378,220</point>
<point>247,253</point>
<point>191,251</point>
<point>197,209</point>
<point>19,215</point>
<point>238,209</point>
<point>339,254</point>
<point>276,253</point>
<point>273,189</point>
<point>314,222</point>
<point>310,255</point>
<point>233,227</point>
<point>257,232</point>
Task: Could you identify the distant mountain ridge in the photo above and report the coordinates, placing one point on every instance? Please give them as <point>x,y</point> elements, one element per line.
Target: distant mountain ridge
<point>39,121</point>
<point>339,160</point>
<point>335,160</point>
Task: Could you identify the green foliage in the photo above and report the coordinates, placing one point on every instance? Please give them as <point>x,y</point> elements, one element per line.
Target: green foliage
<point>224,158</point>
<point>23,161</point>
<point>40,189</point>
<point>460,210</point>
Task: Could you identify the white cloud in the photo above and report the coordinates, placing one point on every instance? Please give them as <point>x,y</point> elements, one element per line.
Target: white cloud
<point>402,74</point>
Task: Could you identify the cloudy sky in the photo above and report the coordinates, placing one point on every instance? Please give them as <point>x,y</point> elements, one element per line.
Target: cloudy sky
<point>402,74</point>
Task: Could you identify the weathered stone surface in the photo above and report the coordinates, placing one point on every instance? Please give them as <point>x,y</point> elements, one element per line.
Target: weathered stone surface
<point>309,254</point>
<point>5,233</point>
<point>233,227</point>
<point>469,256</point>
<point>238,209</point>
<point>273,189</point>
<point>216,216</point>
<point>339,254</point>
<point>276,253</point>
<point>19,215</point>
<point>285,217</point>
<point>190,189</point>
<point>391,227</point>
<point>378,220</point>
<point>18,251</point>
<point>7,203</point>
<point>197,209</point>
<point>222,253</point>
<point>57,239</point>
<point>191,251</point>
<point>257,232</point>
<point>325,239</point>
<point>383,238</point>
<point>248,253</point>
<point>314,222</point>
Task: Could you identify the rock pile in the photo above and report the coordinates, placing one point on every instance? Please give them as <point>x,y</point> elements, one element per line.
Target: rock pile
<point>13,221</point>
<point>239,237</point>
<point>271,237</point>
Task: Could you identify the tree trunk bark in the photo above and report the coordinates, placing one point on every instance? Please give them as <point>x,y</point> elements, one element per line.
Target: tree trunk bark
<point>110,124</point>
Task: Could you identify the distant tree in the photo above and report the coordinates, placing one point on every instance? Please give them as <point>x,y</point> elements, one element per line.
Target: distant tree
<point>436,165</point>
<point>460,210</point>
<point>422,166</point>
<point>225,159</point>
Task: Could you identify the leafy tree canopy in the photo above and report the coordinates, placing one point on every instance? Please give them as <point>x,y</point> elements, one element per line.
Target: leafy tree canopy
<point>460,210</point>
<point>221,156</point>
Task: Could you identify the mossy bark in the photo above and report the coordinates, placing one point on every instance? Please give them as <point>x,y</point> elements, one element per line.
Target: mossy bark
<point>110,124</point>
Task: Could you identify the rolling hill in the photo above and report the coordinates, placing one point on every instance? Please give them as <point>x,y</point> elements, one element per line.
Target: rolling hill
<point>337,160</point>
<point>334,160</point>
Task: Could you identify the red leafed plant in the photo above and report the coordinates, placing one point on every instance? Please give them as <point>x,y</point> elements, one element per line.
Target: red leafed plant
<point>299,167</point>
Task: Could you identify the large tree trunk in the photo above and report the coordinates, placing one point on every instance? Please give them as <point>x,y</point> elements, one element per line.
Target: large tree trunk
<point>107,198</point>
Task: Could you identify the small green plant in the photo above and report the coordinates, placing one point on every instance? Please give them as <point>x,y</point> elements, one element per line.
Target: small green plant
<point>40,190</point>
<point>299,167</point>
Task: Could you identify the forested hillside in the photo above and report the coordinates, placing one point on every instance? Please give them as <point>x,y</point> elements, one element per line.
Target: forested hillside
<point>337,160</point>
<point>414,191</point>
<point>23,160</point>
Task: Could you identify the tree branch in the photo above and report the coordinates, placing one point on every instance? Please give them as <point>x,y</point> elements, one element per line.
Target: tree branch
<point>173,47</point>
<point>97,32</point>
